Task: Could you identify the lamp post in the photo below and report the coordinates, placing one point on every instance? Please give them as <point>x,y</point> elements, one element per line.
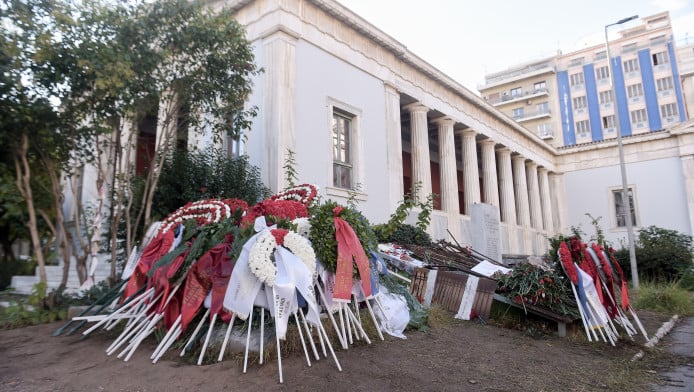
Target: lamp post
<point>625,190</point>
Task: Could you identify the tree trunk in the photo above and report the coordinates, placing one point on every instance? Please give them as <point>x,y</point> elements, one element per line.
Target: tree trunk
<point>58,228</point>
<point>115,197</point>
<point>21,163</point>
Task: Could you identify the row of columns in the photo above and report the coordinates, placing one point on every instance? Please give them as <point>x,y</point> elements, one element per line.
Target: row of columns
<point>511,182</point>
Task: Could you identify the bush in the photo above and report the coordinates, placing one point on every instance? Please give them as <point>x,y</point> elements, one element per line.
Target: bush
<point>663,297</point>
<point>10,267</point>
<point>192,175</point>
<point>405,234</point>
<point>662,255</point>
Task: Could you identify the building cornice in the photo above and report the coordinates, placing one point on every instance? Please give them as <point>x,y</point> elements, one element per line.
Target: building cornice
<point>400,53</point>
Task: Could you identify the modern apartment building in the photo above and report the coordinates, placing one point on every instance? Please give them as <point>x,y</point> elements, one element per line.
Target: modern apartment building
<point>571,98</point>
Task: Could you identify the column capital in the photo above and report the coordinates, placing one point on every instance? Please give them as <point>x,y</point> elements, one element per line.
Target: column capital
<point>468,132</point>
<point>518,157</point>
<point>542,169</point>
<point>444,121</point>
<point>531,164</point>
<point>504,151</point>
<point>488,142</point>
<point>416,107</point>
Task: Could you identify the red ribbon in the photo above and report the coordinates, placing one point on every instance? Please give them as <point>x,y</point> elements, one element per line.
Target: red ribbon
<point>349,250</point>
<point>620,272</point>
<point>199,282</point>
<point>158,247</point>
<point>567,262</point>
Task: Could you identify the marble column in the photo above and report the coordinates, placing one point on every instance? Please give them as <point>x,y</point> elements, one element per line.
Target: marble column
<point>534,195</point>
<point>447,164</point>
<point>471,175</point>
<point>279,101</point>
<point>421,162</point>
<point>520,186</point>
<point>545,200</point>
<point>489,176</point>
<point>559,212</point>
<point>507,197</point>
<point>393,147</point>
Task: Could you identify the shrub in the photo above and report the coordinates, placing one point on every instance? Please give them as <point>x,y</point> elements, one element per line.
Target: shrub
<point>194,175</point>
<point>661,255</point>
<point>403,234</point>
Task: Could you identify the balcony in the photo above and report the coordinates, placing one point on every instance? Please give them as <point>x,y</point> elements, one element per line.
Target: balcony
<point>527,116</point>
<point>546,134</point>
<point>506,99</point>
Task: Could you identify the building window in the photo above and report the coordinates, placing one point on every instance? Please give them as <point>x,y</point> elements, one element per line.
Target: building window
<point>540,86</point>
<point>542,108</point>
<point>516,92</point>
<point>638,117</point>
<point>620,212</point>
<point>668,110</point>
<point>608,122</point>
<point>605,96</point>
<point>600,55</point>
<point>660,58</point>
<point>635,90</point>
<point>629,47</point>
<point>631,65</point>
<point>518,113</point>
<point>234,146</point>
<point>580,102</point>
<point>583,127</point>
<point>576,79</point>
<point>342,149</point>
<point>664,84</point>
<point>602,73</point>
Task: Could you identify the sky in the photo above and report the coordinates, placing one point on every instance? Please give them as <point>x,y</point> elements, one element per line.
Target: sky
<point>467,39</point>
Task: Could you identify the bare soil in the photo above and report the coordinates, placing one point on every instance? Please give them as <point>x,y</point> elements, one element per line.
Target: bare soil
<point>452,356</point>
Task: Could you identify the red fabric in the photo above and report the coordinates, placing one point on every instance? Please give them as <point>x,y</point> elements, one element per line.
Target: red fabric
<point>163,275</point>
<point>567,262</point>
<point>611,306</point>
<point>199,282</point>
<point>220,278</point>
<point>158,247</point>
<point>173,309</point>
<point>625,291</point>
<point>349,249</point>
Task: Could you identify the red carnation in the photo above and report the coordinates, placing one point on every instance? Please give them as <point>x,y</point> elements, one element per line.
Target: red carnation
<point>567,262</point>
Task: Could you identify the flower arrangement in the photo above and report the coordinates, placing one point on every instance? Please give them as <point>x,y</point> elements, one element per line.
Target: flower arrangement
<point>304,194</point>
<point>323,232</point>
<point>260,260</point>
<point>533,285</point>
<point>204,212</point>
<point>274,211</point>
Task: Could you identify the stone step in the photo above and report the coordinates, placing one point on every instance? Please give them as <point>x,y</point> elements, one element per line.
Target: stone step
<point>24,284</point>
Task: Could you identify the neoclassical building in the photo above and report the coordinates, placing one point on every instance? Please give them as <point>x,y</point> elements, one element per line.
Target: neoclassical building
<point>364,115</point>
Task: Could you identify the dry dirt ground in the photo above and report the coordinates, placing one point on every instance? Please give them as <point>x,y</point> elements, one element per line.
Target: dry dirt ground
<point>452,356</point>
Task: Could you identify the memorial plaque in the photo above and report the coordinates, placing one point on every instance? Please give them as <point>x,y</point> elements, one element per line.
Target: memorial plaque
<point>486,238</point>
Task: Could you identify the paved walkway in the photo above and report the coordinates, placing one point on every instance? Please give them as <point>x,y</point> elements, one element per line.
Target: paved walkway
<point>680,341</point>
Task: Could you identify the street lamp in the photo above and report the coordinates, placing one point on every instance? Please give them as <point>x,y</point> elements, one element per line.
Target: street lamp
<point>625,189</point>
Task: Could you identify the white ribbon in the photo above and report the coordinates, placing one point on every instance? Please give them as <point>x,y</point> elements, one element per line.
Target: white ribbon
<point>301,277</point>
<point>244,286</point>
<point>285,293</point>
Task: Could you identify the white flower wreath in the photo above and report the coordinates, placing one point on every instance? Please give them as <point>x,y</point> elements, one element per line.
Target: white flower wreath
<point>303,227</point>
<point>260,257</point>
